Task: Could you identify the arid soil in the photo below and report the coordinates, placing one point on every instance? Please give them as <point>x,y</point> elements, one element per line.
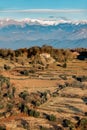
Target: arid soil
<point>53,90</point>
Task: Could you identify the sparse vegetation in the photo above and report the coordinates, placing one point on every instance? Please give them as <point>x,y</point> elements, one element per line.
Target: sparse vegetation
<point>65,65</point>
<point>82,124</point>
<point>39,81</point>
<point>52,117</point>
<point>2,127</point>
<point>25,124</point>
<point>82,78</point>
<point>24,72</point>
<point>57,54</point>
<point>6,67</point>
<point>24,95</point>
<point>34,113</point>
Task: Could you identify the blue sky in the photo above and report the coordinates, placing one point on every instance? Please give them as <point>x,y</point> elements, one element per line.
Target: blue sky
<point>53,9</point>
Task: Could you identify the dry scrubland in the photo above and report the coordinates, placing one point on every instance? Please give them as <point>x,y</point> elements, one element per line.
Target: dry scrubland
<point>42,88</point>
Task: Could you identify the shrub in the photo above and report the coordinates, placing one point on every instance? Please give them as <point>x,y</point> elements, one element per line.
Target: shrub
<point>6,67</point>
<point>77,118</point>
<point>32,71</point>
<point>24,95</point>
<point>34,113</point>
<point>18,52</point>
<point>3,53</point>
<point>25,124</point>
<point>36,103</point>
<point>82,78</point>
<point>52,117</point>
<point>64,65</point>
<point>83,124</point>
<point>66,123</point>
<point>84,99</point>
<point>26,109</point>
<point>85,113</point>
<point>61,86</point>
<point>24,72</point>
<point>9,106</point>
<point>31,112</point>
<point>13,91</point>
<point>2,127</point>
<point>9,95</point>
<point>23,107</point>
<point>1,106</point>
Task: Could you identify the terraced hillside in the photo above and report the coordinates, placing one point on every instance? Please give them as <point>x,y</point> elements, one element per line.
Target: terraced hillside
<point>43,92</point>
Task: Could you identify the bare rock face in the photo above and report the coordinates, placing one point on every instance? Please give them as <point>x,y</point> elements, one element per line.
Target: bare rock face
<point>46,58</point>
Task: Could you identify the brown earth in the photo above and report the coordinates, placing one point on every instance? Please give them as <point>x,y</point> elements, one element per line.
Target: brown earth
<point>67,103</point>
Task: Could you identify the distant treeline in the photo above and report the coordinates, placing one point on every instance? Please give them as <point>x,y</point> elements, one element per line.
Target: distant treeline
<point>58,54</point>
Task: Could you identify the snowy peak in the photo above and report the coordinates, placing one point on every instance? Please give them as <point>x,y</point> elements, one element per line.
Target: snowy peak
<point>43,22</point>
<point>6,22</point>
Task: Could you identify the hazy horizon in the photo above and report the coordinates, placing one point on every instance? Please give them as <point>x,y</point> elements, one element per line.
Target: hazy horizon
<point>44,9</point>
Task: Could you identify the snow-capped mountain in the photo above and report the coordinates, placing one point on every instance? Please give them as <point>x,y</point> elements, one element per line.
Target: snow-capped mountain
<point>28,32</point>
<point>5,22</point>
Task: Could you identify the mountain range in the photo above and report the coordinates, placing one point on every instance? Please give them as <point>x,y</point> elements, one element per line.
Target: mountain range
<point>16,34</point>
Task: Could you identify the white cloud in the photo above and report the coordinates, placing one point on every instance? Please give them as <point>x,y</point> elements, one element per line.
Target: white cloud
<point>45,11</point>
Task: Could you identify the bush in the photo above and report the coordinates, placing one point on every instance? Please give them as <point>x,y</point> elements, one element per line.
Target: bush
<point>24,95</point>
<point>83,124</point>
<point>9,106</point>
<point>64,65</point>
<point>2,127</point>
<point>52,117</point>
<point>77,118</point>
<point>85,113</point>
<point>66,123</point>
<point>34,113</point>
<point>82,78</point>
<point>24,72</point>
<point>25,124</point>
<point>36,103</point>
<point>31,112</point>
<point>1,106</point>
<point>6,67</point>
<point>13,91</point>
<point>23,108</point>
<point>32,71</point>
<point>26,109</point>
